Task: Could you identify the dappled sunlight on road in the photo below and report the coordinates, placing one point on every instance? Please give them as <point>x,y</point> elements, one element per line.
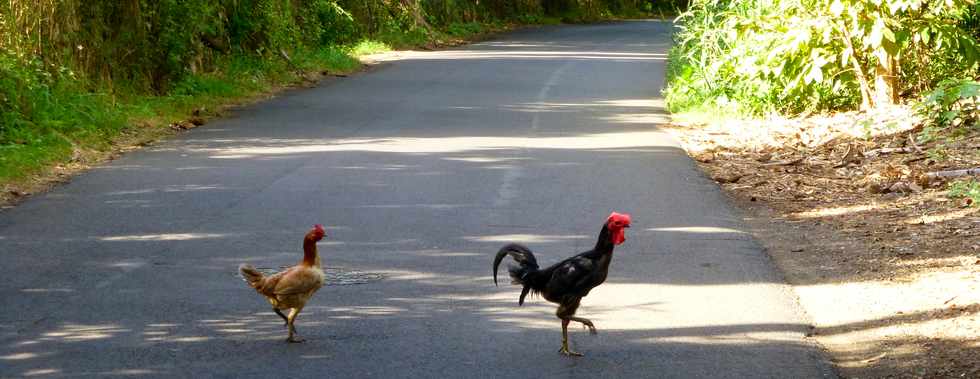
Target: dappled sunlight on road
<point>20,356</point>
<point>485,159</point>
<point>637,118</point>
<point>596,106</point>
<point>527,238</point>
<point>697,229</point>
<point>81,333</point>
<point>407,145</point>
<point>171,188</point>
<point>616,56</point>
<point>166,237</point>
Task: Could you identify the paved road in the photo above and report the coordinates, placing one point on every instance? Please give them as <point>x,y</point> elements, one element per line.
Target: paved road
<point>420,169</point>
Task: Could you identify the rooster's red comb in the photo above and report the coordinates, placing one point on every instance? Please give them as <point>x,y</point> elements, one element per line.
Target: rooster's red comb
<point>622,218</point>
<point>318,228</point>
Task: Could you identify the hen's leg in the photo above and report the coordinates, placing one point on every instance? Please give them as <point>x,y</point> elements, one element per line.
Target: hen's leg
<point>278,312</point>
<point>291,323</point>
<point>566,312</point>
<point>585,323</point>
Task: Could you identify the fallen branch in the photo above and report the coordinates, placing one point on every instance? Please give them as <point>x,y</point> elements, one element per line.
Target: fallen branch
<point>850,156</point>
<point>887,150</point>
<point>913,144</point>
<point>953,173</point>
<point>787,162</point>
<point>289,61</point>
<point>914,159</point>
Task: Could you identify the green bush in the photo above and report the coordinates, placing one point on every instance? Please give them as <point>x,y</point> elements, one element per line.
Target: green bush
<point>759,56</point>
<point>950,109</point>
<point>966,189</point>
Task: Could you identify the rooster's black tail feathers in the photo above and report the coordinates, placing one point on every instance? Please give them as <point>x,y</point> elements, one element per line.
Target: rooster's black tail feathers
<point>523,272</point>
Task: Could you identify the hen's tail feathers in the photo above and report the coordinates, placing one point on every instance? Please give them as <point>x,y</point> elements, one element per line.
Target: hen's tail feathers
<point>527,265</point>
<point>250,274</point>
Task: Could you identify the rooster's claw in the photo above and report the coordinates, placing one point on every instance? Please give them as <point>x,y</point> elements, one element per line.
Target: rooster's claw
<point>568,353</point>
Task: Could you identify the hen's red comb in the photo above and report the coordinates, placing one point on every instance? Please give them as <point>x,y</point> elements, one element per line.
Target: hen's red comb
<point>318,228</point>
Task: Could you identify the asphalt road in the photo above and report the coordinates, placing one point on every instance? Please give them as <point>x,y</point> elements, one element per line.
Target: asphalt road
<point>420,169</point>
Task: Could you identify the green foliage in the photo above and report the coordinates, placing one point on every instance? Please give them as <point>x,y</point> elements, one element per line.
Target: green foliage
<point>966,189</point>
<point>952,104</point>
<point>790,56</point>
<point>333,25</point>
<point>367,47</point>
<point>938,153</point>
<point>464,28</point>
<point>42,116</point>
<point>948,113</point>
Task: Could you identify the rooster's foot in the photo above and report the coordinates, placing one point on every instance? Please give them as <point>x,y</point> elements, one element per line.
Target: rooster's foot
<point>587,324</point>
<point>295,340</point>
<point>568,353</point>
<point>592,330</point>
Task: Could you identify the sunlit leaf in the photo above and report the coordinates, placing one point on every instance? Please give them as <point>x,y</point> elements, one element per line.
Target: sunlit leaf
<point>874,38</point>
<point>815,75</point>
<point>887,34</point>
<point>836,8</point>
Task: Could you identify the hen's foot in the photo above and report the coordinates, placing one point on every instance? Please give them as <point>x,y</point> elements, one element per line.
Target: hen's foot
<point>295,339</point>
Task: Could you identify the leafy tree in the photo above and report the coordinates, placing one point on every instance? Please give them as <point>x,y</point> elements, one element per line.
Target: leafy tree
<point>795,55</point>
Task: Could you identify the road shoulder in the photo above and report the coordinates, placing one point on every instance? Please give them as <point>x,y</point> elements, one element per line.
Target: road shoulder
<point>891,279</point>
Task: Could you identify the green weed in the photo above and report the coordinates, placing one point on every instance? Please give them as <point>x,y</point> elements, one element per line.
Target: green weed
<point>966,189</point>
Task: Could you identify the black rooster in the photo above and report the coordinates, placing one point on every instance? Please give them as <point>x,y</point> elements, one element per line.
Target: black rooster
<point>568,281</point>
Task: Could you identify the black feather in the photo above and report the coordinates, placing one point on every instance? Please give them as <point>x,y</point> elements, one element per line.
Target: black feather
<point>524,273</point>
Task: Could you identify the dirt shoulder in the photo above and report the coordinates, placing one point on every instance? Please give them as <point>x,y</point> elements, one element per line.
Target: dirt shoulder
<point>884,261</point>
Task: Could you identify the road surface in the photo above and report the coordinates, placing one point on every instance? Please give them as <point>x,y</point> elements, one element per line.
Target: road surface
<point>420,169</point>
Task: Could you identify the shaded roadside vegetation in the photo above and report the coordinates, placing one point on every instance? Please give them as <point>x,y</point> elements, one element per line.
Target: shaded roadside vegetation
<point>757,57</point>
<point>76,75</point>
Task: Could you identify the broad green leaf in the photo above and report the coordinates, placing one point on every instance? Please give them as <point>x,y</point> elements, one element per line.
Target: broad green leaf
<point>814,76</point>
<point>874,38</point>
<point>887,34</point>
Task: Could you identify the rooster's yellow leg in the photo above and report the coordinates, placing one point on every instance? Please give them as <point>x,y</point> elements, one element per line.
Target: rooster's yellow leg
<point>291,323</point>
<point>564,341</point>
<point>586,323</point>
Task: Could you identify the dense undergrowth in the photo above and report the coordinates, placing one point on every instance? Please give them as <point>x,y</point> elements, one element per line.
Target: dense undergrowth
<point>75,74</point>
<point>753,57</point>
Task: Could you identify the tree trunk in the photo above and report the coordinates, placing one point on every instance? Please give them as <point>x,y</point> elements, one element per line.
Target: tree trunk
<point>886,82</point>
<point>416,10</point>
<point>867,102</point>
